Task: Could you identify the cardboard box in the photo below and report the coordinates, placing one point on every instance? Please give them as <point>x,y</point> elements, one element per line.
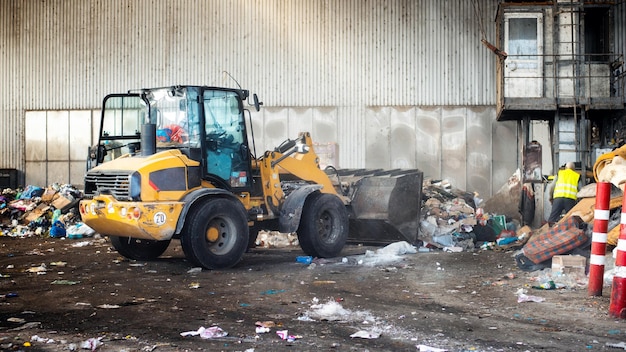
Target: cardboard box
<point>524,230</point>
<point>37,212</point>
<point>49,195</point>
<point>61,202</point>
<point>569,264</point>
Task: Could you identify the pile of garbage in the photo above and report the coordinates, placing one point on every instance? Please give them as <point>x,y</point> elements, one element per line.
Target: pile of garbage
<point>451,219</point>
<point>43,212</point>
<point>454,220</point>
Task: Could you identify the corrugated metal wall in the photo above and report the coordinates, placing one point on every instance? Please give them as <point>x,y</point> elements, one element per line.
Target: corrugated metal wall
<point>620,35</point>
<point>345,68</point>
<point>68,54</point>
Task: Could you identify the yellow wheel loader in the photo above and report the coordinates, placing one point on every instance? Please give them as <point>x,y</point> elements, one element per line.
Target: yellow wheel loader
<point>176,163</point>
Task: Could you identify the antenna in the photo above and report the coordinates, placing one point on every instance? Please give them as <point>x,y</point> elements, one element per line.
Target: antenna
<point>233,78</point>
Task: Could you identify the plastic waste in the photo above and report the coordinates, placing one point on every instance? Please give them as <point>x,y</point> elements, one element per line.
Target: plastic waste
<point>548,285</point>
<point>304,259</point>
<point>206,333</point>
<point>57,230</point>
<point>505,240</point>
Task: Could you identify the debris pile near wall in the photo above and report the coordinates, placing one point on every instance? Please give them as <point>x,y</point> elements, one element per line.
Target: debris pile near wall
<point>454,220</point>
<point>37,211</point>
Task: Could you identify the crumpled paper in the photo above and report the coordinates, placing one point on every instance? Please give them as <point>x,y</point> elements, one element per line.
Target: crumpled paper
<point>206,333</point>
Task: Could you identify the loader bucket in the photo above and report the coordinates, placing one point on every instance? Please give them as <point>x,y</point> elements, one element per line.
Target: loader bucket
<point>385,204</point>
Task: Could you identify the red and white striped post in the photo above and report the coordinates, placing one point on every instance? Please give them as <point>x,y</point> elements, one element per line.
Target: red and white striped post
<point>618,291</point>
<point>598,240</point>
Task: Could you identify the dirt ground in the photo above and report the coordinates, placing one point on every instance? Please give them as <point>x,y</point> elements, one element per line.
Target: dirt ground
<point>64,294</point>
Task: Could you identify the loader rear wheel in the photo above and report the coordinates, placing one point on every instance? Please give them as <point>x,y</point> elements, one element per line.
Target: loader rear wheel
<point>323,229</point>
<point>216,234</point>
<point>139,249</point>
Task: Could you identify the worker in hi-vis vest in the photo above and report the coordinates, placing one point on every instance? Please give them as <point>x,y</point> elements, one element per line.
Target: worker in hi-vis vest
<point>564,195</point>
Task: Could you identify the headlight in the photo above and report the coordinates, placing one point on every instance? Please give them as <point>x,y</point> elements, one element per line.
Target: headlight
<point>135,186</point>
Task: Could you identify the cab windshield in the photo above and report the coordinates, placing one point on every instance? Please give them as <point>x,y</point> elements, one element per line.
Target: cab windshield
<point>176,116</point>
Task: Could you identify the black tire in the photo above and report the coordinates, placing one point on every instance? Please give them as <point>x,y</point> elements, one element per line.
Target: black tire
<point>139,249</point>
<point>323,229</point>
<point>215,234</point>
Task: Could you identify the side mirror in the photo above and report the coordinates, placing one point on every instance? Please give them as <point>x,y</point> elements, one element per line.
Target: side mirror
<point>257,103</point>
<point>101,152</point>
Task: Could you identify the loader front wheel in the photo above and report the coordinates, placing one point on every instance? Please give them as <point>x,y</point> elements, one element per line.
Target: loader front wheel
<point>139,249</point>
<point>323,229</point>
<point>216,234</point>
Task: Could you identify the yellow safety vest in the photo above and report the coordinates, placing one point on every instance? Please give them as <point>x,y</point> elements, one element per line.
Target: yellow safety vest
<point>566,184</point>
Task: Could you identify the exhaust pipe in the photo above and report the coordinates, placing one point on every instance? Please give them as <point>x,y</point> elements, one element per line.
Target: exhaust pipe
<point>148,139</point>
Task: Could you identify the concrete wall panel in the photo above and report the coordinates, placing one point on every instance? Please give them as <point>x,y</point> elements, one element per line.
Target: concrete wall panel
<point>324,125</point>
<point>79,134</point>
<point>403,139</point>
<point>454,146</point>
<point>36,173</point>
<point>35,131</point>
<point>479,150</point>
<point>428,137</point>
<point>377,134</point>
<point>505,153</point>
<point>58,129</point>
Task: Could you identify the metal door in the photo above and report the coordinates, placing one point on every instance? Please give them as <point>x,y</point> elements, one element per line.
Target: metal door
<point>523,42</point>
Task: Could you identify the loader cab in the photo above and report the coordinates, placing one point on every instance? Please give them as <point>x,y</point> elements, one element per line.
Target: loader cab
<point>225,138</point>
<point>206,124</point>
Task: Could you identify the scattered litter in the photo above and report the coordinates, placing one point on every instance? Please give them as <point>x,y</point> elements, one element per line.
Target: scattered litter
<point>206,333</point>
<point>304,259</point>
<point>275,239</point>
<point>333,311</point>
<point>91,344</point>
<point>37,269</point>
<point>262,330</point>
<point>64,282</point>
<point>526,298</point>
<point>621,345</point>
<point>16,320</point>
<point>548,285</point>
<point>36,338</point>
<point>79,230</point>
<point>390,253</point>
<point>81,244</point>
<point>265,324</point>
<point>108,306</point>
<point>366,334</point>
<point>284,335</point>
<point>194,285</point>
<point>194,270</point>
<point>397,248</point>
<point>59,264</point>
<point>272,292</point>
<point>29,325</point>
<point>424,348</point>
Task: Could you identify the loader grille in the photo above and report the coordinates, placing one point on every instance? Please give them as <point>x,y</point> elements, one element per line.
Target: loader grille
<point>116,184</point>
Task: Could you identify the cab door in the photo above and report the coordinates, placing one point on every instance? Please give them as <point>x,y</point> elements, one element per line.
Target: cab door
<point>227,153</point>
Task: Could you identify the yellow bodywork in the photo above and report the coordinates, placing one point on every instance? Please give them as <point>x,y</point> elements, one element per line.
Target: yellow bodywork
<point>159,211</point>
<point>157,220</point>
<point>304,166</point>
